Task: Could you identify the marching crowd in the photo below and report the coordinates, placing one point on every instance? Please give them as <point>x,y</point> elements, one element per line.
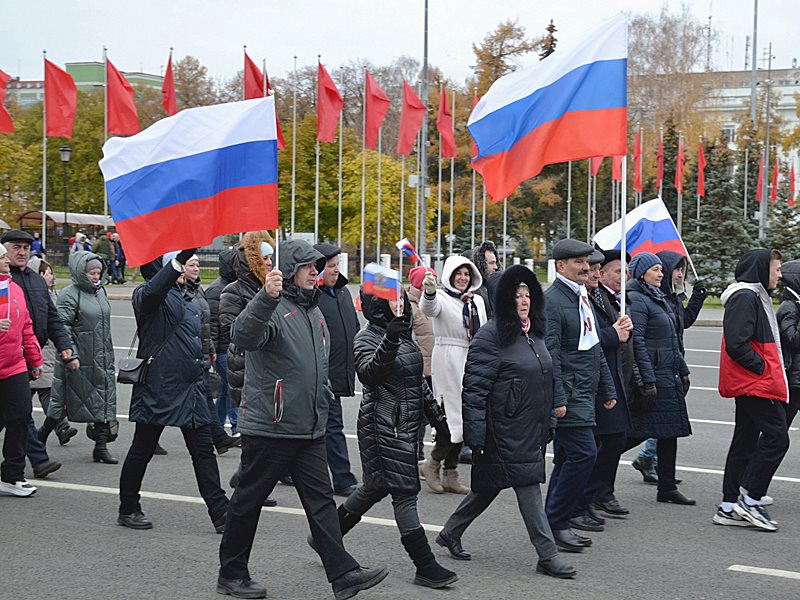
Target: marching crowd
<point>497,366</point>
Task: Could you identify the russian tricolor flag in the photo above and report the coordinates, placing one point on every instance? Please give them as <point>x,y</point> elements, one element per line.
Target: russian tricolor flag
<point>649,227</point>
<point>381,282</point>
<point>407,248</point>
<point>188,178</point>
<point>570,106</point>
<point>4,291</point>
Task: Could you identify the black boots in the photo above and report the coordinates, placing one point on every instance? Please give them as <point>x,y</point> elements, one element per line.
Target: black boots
<point>102,434</point>
<point>646,467</point>
<point>429,573</point>
<point>346,522</point>
<point>63,429</point>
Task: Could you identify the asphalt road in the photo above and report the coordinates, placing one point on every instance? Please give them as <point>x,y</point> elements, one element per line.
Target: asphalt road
<point>64,541</point>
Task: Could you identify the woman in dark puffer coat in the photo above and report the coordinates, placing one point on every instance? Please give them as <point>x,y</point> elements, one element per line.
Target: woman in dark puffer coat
<point>389,364</point>
<point>662,412</point>
<point>508,414</point>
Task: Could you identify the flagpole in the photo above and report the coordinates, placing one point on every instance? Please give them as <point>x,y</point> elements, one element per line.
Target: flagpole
<point>439,206</point>
<point>661,181</point>
<point>474,198</point>
<point>623,248</point>
<point>339,208</point>
<point>483,217</point>
<point>378,236</point>
<point>294,144</point>
<point>746,165</point>
<point>698,198</point>
<point>402,221</point>
<point>452,170</point>
<point>316,172</point>
<point>569,198</point>
<point>641,152</point>
<point>589,203</point>
<point>44,170</point>
<point>363,170</point>
<point>680,189</point>
<point>105,127</point>
<point>505,230</point>
<point>423,170</point>
<point>594,205</point>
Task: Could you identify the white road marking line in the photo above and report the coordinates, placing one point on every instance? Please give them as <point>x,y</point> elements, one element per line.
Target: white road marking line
<point>78,487</point>
<point>122,317</point>
<point>704,389</point>
<point>762,571</point>
<point>703,366</point>
<point>702,350</point>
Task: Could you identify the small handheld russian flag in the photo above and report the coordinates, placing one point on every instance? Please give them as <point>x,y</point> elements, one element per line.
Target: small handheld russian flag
<point>381,282</point>
<point>408,249</point>
<point>5,293</point>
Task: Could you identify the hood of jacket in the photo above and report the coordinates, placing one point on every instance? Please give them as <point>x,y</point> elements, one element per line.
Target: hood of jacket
<point>669,262</point>
<point>478,256</point>
<point>377,310</point>
<point>452,264</point>
<point>248,257</point>
<point>294,253</point>
<point>753,267</point>
<point>790,276</point>
<point>77,268</point>
<point>227,261</point>
<point>505,304</point>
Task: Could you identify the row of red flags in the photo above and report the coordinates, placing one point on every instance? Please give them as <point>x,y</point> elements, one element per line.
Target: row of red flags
<point>61,102</point>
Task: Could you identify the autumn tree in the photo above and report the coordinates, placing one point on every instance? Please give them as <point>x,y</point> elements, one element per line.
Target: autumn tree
<point>501,52</point>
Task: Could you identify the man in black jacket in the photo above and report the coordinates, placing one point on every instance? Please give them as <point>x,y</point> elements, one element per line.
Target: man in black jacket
<point>46,326</point>
<point>580,376</point>
<point>337,307</point>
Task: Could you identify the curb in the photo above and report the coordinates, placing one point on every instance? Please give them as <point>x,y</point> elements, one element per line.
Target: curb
<point>708,322</point>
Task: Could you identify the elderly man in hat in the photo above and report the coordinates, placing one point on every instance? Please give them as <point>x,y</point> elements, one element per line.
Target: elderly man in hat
<point>46,326</point>
<point>581,377</point>
<point>336,305</point>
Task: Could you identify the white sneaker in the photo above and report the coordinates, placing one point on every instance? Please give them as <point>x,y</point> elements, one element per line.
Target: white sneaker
<point>20,488</point>
<point>757,515</point>
<point>766,500</point>
<point>729,518</point>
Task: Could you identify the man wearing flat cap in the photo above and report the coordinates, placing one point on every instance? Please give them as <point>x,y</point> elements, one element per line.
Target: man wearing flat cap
<point>581,376</point>
<point>46,326</point>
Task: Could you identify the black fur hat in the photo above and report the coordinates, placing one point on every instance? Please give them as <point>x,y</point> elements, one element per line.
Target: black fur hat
<point>505,307</point>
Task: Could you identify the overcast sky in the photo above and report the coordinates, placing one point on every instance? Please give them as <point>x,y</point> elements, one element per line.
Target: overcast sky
<point>139,33</point>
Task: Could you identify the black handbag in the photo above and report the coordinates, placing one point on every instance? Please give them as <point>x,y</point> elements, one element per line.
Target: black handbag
<point>133,369</point>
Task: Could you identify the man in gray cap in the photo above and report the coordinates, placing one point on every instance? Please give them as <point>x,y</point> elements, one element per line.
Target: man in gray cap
<point>581,375</point>
<point>46,325</point>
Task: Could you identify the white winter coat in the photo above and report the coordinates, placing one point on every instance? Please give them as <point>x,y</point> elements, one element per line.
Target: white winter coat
<point>451,341</point>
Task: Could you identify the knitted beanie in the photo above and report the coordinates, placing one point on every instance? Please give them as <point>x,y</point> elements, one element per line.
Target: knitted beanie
<point>642,262</point>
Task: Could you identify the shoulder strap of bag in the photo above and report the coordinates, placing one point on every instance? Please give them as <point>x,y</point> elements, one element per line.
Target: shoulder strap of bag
<point>153,356</point>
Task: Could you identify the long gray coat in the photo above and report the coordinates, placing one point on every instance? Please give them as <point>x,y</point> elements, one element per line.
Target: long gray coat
<point>88,395</point>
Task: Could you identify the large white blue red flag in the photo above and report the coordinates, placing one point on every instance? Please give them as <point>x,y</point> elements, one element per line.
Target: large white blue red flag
<point>649,227</point>
<point>570,106</point>
<point>188,178</point>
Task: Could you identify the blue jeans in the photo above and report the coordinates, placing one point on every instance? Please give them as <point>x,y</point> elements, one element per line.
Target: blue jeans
<point>575,453</point>
<point>36,450</point>
<point>336,448</point>
<point>648,452</point>
<point>224,408</point>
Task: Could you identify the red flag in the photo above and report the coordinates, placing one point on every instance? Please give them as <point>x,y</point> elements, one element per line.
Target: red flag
<point>701,171</point>
<point>60,100</point>
<point>6,124</point>
<point>253,80</point>
<point>376,106</point>
<point>122,116</point>
<point>168,90</point>
<point>679,162</point>
<point>774,195</point>
<point>791,185</point>
<point>474,145</point>
<point>444,123</point>
<point>410,120</point>
<point>759,186</point>
<point>329,106</point>
<point>660,162</point>
<point>637,163</point>
<point>616,168</point>
<point>597,162</point>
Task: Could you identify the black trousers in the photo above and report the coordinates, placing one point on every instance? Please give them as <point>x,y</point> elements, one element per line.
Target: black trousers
<point>15,412</point>
<point>667,453</point>
<point>610,447</point>
<point>760,441</point>
<point>264,461</point>
<point>198,442</point>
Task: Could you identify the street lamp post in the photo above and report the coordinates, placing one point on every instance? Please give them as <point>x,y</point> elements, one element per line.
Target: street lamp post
<point>65,151</point>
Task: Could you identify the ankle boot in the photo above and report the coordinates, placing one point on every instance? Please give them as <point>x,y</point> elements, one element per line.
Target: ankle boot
<point>102,433</point>
<point>451,484</point>
<point>431,470</point>
<point>429,573</point>
<point>346,522</point>
<point>65,431</point>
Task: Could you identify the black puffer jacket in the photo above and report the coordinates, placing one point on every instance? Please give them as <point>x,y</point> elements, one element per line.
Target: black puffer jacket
<point>660,361</point>
<point>214,291</point>
<point>789,321</point>
<point>685,316</point>
<point>508,391</point>
<point>193,292</point>
<point>174,393</point>
<point>232,302</point>
<point>395,397</point>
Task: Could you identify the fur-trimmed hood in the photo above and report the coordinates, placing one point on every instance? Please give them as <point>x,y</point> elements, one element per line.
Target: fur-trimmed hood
<point>505,307</point>
<point>249,256</point>
<point>478,256</point>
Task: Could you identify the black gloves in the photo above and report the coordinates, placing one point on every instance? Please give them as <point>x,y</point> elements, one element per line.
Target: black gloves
<point>396,328</point>
<point>185,255</point>
<point>699,288</point>
<point>649,396</point>
<point>442,431</point>
<point>686,384</point>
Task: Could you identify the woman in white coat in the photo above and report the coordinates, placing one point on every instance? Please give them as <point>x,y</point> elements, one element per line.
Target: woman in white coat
<point>457,313</point>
